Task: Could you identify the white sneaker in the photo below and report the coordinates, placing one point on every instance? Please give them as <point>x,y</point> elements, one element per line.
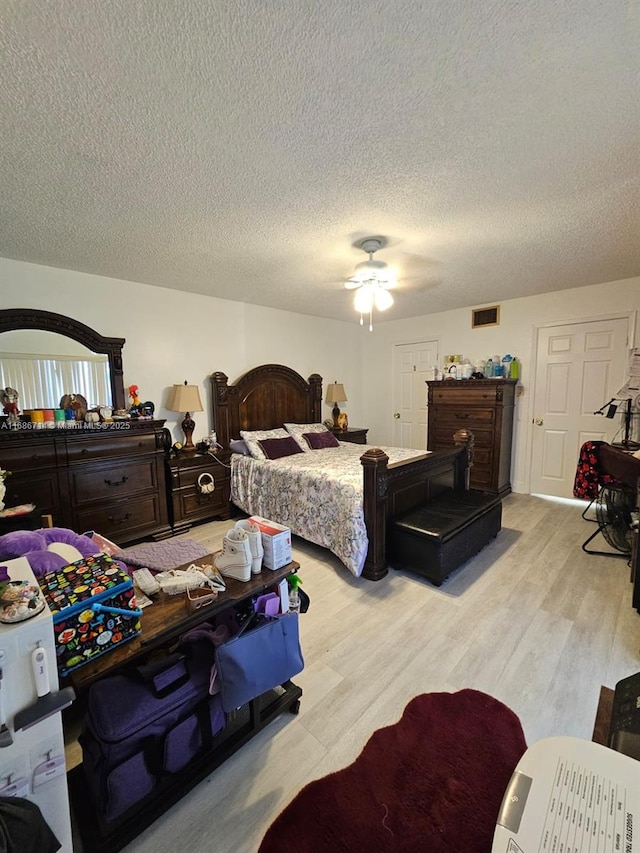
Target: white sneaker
<point>255,541</point>
<point>234,561</point>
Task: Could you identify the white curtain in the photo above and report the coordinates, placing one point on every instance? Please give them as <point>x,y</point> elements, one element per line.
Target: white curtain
<point>42,380</point>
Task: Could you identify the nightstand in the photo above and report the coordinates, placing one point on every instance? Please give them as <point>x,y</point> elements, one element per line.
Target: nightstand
<point>190,477</point>
<point>354,435</point>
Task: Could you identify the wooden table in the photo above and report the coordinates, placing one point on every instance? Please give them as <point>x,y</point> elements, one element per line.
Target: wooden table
<point>164,620</point>
<point>167,618</point>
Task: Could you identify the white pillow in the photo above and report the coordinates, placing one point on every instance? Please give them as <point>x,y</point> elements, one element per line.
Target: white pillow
<point>252,437</point>
<point>298,430</point>
<point>67,552</point>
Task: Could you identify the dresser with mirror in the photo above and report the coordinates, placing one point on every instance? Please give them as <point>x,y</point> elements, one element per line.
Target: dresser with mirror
<point>106,476</point>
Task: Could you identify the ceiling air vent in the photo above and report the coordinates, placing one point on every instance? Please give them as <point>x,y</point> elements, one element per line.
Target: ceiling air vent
<point>481,317</point>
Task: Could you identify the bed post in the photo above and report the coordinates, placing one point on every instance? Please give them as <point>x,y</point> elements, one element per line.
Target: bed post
<point>464,438</point>
<point>220,401</point>
<point>374,463</point>
<point>315,388</point>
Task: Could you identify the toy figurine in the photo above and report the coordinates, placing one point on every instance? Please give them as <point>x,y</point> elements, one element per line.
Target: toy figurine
<point>134,408</point>
<point>9,400</point>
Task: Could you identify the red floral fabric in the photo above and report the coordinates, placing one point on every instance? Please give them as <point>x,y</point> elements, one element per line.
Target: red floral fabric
<point>589,475</point>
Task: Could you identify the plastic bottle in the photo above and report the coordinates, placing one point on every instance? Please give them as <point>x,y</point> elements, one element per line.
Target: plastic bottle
<point>515,369</point>
<point>488,368</point>
<point>294,597</point>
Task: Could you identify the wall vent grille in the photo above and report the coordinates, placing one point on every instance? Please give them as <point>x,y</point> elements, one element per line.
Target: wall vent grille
<point>481,317</point>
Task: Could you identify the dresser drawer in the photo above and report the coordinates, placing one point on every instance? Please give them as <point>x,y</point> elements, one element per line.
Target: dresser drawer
<point>43,491</point>
<point>481,478</point>
<point>185,478</point>
<point>483,457</point>
<point>108,444</point>
<point>441,437</point>
<point>122,520</point>
<point>93,483</point>
<point>464,393</point>
<point>28,454</point>
<point>192,505</point>
<point>464,416</point>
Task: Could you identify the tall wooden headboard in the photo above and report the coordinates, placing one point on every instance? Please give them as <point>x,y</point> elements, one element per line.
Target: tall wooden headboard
<point>264,398</point>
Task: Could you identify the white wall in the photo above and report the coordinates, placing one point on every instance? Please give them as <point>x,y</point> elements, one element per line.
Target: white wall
<point>173,336</point>
<point>516,334</point>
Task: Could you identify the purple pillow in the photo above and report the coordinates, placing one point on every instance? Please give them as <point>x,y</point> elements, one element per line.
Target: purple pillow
<point>276,448</point>
<point>84,544</point>
<point>18,542</point>
<point>42,562</point>
<point>237,445</point>
<point>320,440</point>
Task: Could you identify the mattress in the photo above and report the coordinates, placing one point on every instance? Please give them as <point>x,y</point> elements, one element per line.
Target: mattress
<point>317,494</point>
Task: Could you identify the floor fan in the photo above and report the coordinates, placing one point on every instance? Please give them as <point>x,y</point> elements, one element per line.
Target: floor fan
<point>614,506</point>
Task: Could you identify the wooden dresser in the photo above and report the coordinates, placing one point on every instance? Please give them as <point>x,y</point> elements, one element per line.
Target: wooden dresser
<point>109,477</point>
<point>485,407</point>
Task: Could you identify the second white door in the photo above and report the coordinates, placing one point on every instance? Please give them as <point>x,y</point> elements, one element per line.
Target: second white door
<point>579,367</point>
<point>412,365</point>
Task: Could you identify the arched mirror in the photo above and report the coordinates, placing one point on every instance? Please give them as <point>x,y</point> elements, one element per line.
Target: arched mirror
<point>32,320</point>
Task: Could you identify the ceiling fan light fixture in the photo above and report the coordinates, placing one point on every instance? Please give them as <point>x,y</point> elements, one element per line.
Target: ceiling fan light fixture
<point>383,299</point>
<point>363,300</point>
<point>371,280</point>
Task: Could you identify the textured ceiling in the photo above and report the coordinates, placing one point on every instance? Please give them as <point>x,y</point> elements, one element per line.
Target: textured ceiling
<point>240,149</point>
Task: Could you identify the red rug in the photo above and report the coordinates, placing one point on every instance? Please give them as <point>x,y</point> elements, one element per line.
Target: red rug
<point>432,783</point>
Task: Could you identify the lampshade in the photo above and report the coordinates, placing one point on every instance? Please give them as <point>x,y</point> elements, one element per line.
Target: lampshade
<point>184,398</point>
<point>336,393</point>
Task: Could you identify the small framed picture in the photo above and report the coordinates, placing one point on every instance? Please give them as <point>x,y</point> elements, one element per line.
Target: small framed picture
<point>343,420</point>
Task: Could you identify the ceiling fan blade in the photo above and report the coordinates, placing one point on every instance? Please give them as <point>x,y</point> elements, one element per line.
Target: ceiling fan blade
<point>350,284</point>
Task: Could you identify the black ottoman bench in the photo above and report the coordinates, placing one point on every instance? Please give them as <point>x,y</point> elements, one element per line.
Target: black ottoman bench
<point>435,538</point>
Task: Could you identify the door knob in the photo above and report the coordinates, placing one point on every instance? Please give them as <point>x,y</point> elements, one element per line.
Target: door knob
<point>396,415</point>
<point>538,421</point>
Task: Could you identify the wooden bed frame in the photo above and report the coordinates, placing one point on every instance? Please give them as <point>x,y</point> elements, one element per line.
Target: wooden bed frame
<point>272,394</point>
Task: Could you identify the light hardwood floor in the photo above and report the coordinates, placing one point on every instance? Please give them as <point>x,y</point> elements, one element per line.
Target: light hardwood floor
<point>531,620</point>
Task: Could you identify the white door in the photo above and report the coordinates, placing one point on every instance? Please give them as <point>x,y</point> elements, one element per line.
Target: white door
<point>579,368</point>
<point>412,365</point>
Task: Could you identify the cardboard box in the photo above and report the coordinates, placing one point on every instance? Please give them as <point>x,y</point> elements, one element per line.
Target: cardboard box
<point>276,541</point>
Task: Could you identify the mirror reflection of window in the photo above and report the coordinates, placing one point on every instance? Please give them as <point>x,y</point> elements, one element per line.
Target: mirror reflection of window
<point>43,367</point>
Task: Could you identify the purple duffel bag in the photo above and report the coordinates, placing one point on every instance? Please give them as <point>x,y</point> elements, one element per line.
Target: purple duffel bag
<point>142,727</point>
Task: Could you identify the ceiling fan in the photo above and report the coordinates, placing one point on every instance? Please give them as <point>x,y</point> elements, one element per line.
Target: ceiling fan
<point>371,280</point>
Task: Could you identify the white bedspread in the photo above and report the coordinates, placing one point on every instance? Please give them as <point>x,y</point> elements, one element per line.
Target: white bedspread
<point>318,495</point>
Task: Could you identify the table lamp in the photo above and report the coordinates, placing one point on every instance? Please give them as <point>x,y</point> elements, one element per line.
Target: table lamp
<point>186,398</point>
<point>336,394</point>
